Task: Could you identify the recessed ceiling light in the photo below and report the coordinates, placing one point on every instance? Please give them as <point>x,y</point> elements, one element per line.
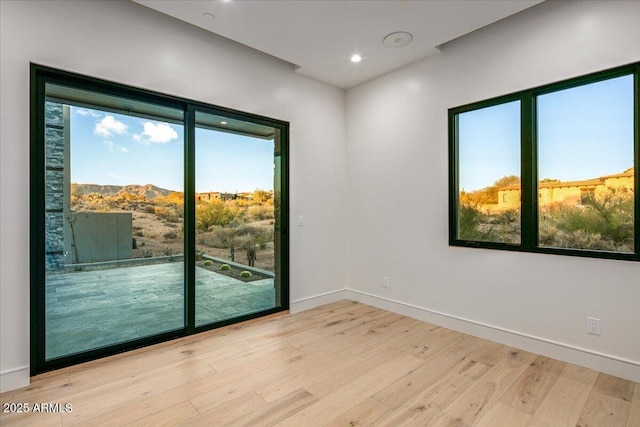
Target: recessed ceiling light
<point>397,39</point>
<point>223,123</point>
<point>356,58</point>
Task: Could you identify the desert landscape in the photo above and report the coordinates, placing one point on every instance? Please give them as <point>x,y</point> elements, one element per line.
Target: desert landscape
<point>227,225</point>
<point>602,217</point>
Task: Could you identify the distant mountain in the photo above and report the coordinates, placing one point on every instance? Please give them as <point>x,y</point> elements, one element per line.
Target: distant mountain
<point>148,191</point>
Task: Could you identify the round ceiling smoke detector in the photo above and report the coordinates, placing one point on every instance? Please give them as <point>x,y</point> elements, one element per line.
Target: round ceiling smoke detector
<point>397,39</point>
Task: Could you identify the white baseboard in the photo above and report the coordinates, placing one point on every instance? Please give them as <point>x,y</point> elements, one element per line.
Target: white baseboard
<point>14,378</point>
<point>314,301</point>
<point>609,364</point>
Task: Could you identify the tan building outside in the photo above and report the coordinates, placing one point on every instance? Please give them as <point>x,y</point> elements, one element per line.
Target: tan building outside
<point>569,193</point>
<point>214,195</point>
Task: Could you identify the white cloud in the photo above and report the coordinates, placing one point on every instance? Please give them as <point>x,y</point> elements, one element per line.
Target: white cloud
<point>108,126</point>
<point>84,112</point>
<point>158,133</point>
<point>109,144</point>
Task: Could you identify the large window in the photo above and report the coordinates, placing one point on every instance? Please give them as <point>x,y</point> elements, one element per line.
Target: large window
<point>552,169</point>
<point>152,217</point>
<point>489,158</point>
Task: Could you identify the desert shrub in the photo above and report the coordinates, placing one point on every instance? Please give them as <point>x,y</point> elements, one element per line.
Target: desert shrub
<point>468,223</point>
<point>245,273</point>
<point>170,234</point>
<point>243,241</point>
<point>508,217</point>
<point>97,202</point>
<point>217,237</point>
<point>174,198</point>
<point>259,212</point>
<point>247,235</point>
<point>161,212</point>
<point>169,251</point>
<point>240,203</point>
<point>225,267</point>
<point>261,196</point>
<point>241,237</point>
<point>553,237</point>
<point>216,213</point>
<point>604,222</point>
<point>499,228</point>
<point>76,197</point>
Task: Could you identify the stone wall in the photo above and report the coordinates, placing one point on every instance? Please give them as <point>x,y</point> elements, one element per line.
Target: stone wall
<point>54,185</point>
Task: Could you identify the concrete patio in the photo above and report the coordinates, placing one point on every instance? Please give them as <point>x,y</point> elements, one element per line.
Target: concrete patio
<point>92,309</point>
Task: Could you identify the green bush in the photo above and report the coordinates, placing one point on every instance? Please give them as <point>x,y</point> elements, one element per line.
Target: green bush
<point>225,267</point>
<point>216,213</point>
<point>469,220</point>
<point>246,273</point>
<point>208,263</point>
<point>604,222</point>
<point>498,228</point>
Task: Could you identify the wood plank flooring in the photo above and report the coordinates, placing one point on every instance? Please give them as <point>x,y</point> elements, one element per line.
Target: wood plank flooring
<point>344,364</point>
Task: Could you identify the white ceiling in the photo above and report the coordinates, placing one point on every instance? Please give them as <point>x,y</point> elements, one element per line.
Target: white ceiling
<point>319,36</point>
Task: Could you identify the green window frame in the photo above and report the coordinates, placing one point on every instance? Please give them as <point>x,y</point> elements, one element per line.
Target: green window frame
<point>531,198</point>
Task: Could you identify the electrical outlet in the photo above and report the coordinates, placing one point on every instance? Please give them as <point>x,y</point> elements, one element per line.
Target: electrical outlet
<point>385,282</point>
<point>593,325</point>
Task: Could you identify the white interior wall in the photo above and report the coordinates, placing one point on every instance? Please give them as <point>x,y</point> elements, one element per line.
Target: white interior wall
<point>394,208</point>
<point>130,44</point>
<point>398,193</point>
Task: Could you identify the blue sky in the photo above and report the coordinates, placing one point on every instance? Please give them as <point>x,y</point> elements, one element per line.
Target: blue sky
<point>489,145</point>
<point>583,133</point>
<point>115,149</point>
<point>230,163</point>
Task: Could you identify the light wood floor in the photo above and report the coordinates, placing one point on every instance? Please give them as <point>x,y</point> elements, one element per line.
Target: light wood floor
<point>344,364</point>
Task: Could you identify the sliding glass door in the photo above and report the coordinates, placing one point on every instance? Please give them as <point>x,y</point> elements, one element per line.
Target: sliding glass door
<point>152,217</point>
<point>235,217</point>
<point>114,209</point>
